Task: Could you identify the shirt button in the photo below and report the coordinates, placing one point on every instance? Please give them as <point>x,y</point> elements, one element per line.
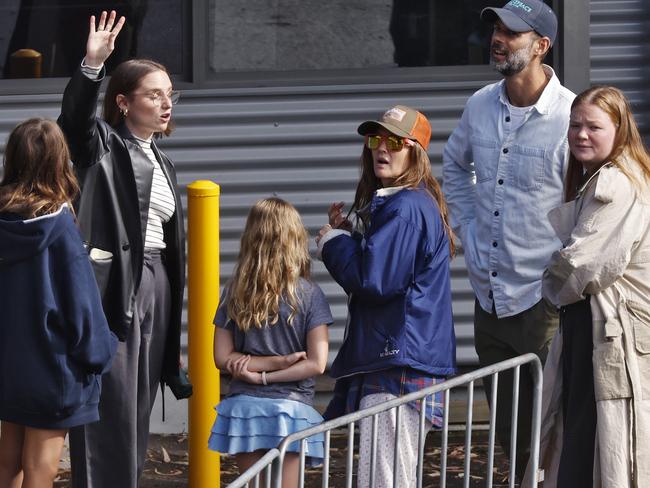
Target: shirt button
<point>494,273</point>
<point>496,213</point>
<point>500,182</point>
<point>505,150</point>
<point>490,294</point>
<point>494,244</point>
<point>126,247</point>
<point>508,118</point>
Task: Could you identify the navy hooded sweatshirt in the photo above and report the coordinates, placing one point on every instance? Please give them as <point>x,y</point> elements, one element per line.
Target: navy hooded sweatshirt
<point>54,340</point>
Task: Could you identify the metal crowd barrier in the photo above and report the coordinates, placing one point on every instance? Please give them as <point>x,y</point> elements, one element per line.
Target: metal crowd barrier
<point>271,463</point>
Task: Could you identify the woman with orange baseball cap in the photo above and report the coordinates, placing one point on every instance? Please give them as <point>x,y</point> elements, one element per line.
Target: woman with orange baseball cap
<point>395,270</point>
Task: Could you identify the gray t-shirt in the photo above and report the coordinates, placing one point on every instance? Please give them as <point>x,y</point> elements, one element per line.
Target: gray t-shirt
<point>279,339</point>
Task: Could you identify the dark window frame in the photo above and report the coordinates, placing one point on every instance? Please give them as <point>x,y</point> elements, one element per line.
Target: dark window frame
<point>571,61</point>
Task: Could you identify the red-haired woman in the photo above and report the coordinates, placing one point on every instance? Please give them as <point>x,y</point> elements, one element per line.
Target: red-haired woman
<point>597,417</point>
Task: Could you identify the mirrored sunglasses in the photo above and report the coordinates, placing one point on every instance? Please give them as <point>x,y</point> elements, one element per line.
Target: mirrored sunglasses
<point>393,143</point>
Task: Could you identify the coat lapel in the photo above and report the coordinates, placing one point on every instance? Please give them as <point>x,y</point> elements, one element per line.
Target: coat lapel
<point>143,174</point>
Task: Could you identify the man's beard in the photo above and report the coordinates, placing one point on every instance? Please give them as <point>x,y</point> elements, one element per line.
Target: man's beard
<point>515,62</point>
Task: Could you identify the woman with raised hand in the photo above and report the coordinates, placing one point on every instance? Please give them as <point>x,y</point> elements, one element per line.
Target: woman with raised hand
<point>132,221</point>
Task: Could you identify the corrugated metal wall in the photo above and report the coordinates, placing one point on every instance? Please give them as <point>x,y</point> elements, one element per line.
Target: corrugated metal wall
<point>302,146</point>
<point>620,52</point>
<point>300,143</point>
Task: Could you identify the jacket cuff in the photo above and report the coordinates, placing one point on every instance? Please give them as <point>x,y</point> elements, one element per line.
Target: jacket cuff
<point>328,237</point>
<point>92,72</point>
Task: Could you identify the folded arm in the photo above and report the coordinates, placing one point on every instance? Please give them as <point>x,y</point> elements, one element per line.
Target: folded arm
<point>599,249</point>
<point>248,368</point>
<point>225,355</point>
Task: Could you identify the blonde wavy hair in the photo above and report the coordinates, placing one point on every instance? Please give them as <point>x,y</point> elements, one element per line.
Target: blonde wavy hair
<point>416,175</point>
<point>273,256</point>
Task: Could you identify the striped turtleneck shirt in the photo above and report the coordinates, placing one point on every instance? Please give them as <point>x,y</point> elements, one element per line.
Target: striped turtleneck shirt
<point>161,202</point>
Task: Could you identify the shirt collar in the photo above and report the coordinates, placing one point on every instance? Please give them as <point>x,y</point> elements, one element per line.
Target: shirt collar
<point>548,96</point>
<point>380,196</point>
<point>586,184</point>
<point>125,133</point>
<point>388,191</point>
<point>143,142</point>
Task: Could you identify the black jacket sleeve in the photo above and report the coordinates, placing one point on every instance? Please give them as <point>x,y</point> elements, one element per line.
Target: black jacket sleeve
<point>78,119</point>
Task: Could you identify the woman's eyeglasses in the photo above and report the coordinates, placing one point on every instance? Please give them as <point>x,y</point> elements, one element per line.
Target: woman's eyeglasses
<point>393,143</point>
<point>156,97</point>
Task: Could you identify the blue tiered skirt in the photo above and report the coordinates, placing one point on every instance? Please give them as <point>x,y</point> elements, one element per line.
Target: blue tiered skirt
<point>245,424</point>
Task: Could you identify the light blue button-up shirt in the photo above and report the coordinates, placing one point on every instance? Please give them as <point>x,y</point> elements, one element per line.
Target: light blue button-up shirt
<point>500,184</point>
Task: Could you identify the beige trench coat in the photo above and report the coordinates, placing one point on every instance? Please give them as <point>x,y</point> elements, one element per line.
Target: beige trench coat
<point>606,254</point>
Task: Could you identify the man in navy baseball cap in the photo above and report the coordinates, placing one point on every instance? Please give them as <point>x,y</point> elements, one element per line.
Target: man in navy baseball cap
<point>503,171</point>
<point>524,16</point>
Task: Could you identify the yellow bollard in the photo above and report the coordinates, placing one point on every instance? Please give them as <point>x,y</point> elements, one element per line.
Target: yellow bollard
<point>203,298</point>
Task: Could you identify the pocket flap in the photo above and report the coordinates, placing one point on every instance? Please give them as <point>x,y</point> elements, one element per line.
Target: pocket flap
<point>640,256</point>
<point>641,324</point>
<point>613,328</point>
<point>610,374</point>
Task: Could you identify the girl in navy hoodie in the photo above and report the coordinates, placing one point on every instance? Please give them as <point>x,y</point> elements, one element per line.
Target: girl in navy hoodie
<point>54,339</point>
<point>400,333</point>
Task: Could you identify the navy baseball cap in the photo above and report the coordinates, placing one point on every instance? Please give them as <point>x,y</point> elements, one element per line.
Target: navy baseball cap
<point>524,16</point>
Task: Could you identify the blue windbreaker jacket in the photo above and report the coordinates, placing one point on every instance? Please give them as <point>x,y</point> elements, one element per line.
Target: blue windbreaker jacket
<point>54,339</point>
<point>397,278</point>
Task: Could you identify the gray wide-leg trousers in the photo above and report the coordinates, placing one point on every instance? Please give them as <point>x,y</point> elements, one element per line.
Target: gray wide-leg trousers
<point>111,452</point>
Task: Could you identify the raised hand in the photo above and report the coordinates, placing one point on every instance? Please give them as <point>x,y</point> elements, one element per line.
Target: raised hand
<point>101,39</point>
<point>321,233</point>
<point>336,218</point>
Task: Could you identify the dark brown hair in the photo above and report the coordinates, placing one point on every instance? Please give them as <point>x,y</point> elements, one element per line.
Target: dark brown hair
<point>417,174</point>
<point>627,140</point>
<point>38,176</point>
<point>125,79</point>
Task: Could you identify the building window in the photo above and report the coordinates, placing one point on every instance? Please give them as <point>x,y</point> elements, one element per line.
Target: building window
<point>288,35</point>
<point>47,38</point>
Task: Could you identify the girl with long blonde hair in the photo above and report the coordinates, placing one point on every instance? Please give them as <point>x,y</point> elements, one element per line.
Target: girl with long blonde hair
<point>271,336</point>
